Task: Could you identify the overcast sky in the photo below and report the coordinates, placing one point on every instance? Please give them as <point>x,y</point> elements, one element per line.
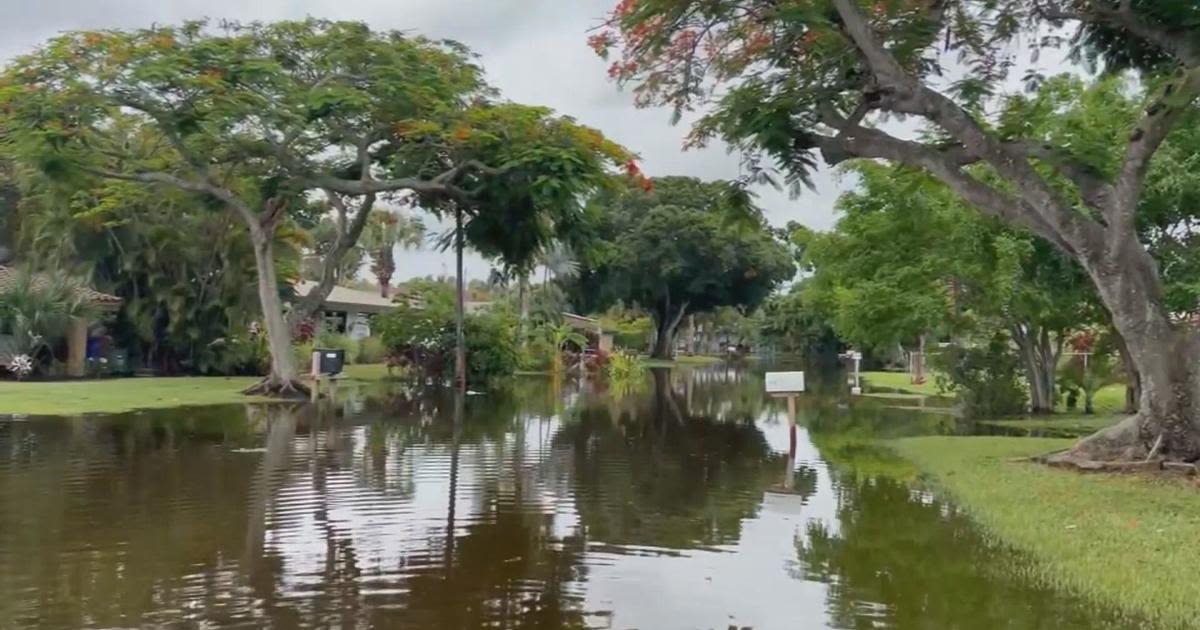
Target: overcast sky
<point>534,51</point>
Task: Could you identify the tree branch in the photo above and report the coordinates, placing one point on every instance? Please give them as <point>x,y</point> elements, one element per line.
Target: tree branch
<point>1174,43</point>
<point>881,62</point>
<point>1069,231</point>
<point>348,236</point>
<point>1159,119</point>
<point>203,187</point>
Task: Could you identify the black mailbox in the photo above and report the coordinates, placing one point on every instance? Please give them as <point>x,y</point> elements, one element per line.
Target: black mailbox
<point>328,361</point>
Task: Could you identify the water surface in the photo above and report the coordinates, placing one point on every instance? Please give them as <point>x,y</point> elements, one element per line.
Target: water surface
<point>684,502</point>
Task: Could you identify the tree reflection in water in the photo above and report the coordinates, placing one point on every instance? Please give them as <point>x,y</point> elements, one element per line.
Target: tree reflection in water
<point>533,507</point>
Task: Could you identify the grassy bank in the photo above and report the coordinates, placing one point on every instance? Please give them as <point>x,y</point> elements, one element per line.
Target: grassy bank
<point>127,394</point>
<point>681,361</point>
<point>900,381</point>
<point>1118,539</point>
<point>1075,424</point>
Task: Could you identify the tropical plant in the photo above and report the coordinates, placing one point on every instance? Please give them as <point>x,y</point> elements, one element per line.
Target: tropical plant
<point>386,230</point>
<point>625,366</point>
<point>36,309</point>
<point>559,337</point>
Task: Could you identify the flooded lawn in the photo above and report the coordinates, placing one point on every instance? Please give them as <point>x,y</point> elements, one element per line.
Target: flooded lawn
<point>685,503</point>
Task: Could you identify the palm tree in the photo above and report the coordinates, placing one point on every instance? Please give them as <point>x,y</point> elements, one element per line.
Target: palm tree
<point>559,261</point>
<point>559,336</point>
<point>385,230</point>
<point>38,308</point>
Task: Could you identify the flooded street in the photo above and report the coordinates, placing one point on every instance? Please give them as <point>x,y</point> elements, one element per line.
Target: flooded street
<point>684,502</point>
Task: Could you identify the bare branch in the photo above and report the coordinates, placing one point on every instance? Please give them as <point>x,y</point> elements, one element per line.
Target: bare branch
<point>348,236</point>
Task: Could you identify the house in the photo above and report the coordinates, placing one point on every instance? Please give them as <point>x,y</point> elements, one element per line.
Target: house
<point>346,310</point>
<point>77,333</point>
<point>598,338</point>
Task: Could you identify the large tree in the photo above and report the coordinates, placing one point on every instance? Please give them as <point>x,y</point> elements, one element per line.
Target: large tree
<point>798,78</point>
<point>908,260</point>
<point>685,247</point>
<point>258,117</point>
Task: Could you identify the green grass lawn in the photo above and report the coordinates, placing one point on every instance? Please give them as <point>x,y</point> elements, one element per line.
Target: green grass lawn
<point>681,361</point>
<point>126,394</point>
<point>1074,422</point>
<point>900,381</point>
<point>1120,539</point>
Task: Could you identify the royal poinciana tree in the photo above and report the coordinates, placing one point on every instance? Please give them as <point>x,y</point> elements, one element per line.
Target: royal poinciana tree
<point>806,77</point>
<point>261,118</point>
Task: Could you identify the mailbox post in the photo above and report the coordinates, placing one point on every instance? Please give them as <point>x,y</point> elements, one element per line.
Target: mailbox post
<point>786,385</point>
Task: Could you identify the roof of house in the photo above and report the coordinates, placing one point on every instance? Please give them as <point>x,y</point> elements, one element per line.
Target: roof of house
<point>9,278</point>
<point>346,299</point>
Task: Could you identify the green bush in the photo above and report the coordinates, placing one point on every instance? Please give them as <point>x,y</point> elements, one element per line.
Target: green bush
<point>303,354</point>
<point>538,354</point>
<point>624,366</point>
<point>985,378</point>
<point>371,350</point>
<point>334,341</point>
<point>424,338</point>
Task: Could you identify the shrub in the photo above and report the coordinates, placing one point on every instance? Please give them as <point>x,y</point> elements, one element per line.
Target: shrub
<point>624,366</point>
<point>371,350</point>
<point>538,354</point>
<point>424,339</point>
<point>335,341</point>
<point>985,378</point>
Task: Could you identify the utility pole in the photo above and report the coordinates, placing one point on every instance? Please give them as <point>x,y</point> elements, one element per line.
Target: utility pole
<point>460,339</point>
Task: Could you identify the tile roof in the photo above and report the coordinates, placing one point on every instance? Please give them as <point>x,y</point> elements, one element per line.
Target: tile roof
<point>9,276</point>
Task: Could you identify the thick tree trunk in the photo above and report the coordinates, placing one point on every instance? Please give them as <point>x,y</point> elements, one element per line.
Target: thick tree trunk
<point>282,380</point>
<point>1163,354</point>
<point>666,323</point>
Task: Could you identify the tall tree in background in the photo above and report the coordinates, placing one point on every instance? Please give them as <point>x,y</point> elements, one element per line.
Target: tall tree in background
<point>256,117</point>
<point>814,76</point>
<point>685,247</point>
<point>385,231</point>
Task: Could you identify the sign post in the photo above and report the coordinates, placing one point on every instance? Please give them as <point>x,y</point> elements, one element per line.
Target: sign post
<point>786,385</point>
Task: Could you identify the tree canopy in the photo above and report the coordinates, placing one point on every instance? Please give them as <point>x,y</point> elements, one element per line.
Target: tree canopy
<point>679,250</point>
<point>257,118</point>
<point>797,79</point>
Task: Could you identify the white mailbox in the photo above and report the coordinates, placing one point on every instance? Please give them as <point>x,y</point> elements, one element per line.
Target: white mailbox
<point>785,382</point>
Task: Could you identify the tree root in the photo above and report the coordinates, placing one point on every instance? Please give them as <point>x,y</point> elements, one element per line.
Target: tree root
<point>276,388</point>
<point>1118,448</point>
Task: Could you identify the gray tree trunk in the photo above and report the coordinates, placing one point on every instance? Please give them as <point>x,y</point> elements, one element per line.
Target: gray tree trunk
<point>1164,357</point>
<point>666,323</point>
<point>460,338</point>
<point>283,379</point>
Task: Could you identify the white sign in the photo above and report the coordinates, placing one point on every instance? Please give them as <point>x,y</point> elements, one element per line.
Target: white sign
<point>785,382</point>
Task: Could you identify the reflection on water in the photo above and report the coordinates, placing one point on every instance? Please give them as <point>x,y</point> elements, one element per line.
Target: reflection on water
<point>686,503</point>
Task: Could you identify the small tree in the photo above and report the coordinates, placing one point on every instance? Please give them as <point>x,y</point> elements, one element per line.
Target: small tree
<point>384,232</point>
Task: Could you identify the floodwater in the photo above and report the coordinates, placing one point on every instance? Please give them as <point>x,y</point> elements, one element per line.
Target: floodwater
<point>686,501</point>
